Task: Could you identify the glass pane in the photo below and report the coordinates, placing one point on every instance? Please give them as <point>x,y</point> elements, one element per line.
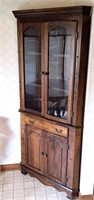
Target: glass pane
<point>59,71</point>
<point>32,54</point>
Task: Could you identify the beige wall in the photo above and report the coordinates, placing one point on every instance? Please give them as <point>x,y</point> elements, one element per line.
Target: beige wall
<point>9,89</point>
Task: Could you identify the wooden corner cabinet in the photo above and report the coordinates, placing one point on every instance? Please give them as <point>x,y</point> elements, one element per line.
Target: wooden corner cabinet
<point>53,49</point>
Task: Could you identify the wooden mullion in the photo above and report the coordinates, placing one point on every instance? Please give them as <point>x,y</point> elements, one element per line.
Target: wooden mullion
<point>44,62</point>
<point>21,65</point>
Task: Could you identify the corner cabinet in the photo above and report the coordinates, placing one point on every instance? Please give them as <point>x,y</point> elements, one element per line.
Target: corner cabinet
<point>53,56</point>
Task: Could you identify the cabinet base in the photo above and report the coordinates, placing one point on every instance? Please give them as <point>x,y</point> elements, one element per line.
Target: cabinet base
<point>71,194</point>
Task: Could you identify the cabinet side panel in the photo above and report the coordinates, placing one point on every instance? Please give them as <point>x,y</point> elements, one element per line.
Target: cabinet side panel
<point>81,71</point>
<point>23,140</point>
<point>21,63</point>
<point>74,155</point>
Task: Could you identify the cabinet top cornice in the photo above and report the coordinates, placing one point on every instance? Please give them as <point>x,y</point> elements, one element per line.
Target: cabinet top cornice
<point>74,10</point>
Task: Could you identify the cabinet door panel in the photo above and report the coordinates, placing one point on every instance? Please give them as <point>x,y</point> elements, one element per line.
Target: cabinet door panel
<point>34,148</point>
<point>61,60</point>
<point>56,159</point>
<point>32,66</point>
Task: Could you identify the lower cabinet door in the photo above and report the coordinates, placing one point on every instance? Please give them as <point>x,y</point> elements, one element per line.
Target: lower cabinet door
<point>46,153</point>
<point>56,149</point>
<point>34,148</point>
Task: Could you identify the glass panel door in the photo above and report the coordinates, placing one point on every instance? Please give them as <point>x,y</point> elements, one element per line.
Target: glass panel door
<point>60,67</point>
<point>32,67</point>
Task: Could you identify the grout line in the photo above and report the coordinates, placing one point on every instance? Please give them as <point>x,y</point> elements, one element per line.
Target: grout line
<point>24,185</point>
<point>45,192</point>
<point>13,184</point>
<point>3,183</point>
<point>34,188</point>
<point>57,195</point>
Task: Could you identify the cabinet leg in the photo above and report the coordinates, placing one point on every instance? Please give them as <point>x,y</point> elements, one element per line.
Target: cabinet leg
<point>73,196</point>
<point>23,170</point>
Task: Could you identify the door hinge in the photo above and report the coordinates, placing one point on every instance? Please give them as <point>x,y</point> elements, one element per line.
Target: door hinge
<point>72,114</point>
<point>77,35</point>
<point>66,179</point>
<point>68,147</point>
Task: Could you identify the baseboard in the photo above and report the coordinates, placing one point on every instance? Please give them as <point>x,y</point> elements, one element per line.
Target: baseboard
<point>9,167</point>
<point>86,197</point>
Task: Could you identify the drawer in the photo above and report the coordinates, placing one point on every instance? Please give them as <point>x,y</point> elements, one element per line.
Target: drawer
<point>59,130</point>
<point>46,125</point>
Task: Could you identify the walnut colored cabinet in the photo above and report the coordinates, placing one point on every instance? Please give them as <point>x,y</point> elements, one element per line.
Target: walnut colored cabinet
<point>43,150</point>
<point>34,148</point>
<point>56,152</point>
<point>53,49</point>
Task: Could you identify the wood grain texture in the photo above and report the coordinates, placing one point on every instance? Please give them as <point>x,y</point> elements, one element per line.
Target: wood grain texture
<point>87,197</point>
<point>50,145</point>
<point>10,167</point>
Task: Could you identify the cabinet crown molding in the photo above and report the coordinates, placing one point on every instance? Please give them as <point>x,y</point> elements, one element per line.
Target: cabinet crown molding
<point>74,10</point>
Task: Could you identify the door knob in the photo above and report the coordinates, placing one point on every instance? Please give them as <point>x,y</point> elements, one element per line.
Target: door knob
<point>45,155</point>
<point>31,121</point>
<point>42,154</point>
<point>46,73</point>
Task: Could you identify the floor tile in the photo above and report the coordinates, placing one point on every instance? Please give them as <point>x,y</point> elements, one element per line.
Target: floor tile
<point>29,192</point>
<point>0,195</point>
<point>8,174</point>
<point>16,186</point>
<point>18,179</point>
<point>50,189</point>
<point>37,183</point>
<point>19,198</point>
<point>8,187</point>
<point>1,174</point>
<point>7,199</point>
<point>61,195</point>
<point>8,180</point>
<point>52,197</point>
<point>18,173</point>
<point>28,178</point>
<point>40,190</point>
<point>1,187</point>
<point>30,198</point>
<point>41,197</point>
<point>19,193</point>
<point>28,184</point>
<point>7,194</point>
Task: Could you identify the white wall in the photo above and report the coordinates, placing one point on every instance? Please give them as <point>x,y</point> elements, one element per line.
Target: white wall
<point>9,89</point>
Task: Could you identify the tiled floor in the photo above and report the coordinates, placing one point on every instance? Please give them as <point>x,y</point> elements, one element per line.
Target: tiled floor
<point>15,186</point>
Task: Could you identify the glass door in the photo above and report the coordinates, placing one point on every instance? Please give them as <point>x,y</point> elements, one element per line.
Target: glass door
<point>61,60</point>
<point>32,66</point>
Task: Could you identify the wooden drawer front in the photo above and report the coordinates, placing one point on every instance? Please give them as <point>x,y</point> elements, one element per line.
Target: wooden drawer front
<point>59,130</point>
<point>47,126</point>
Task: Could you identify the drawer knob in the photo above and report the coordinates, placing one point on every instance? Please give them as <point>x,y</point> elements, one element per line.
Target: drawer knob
<point>31,121</point>
<point>43,154</point>
<point>58,130</point>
